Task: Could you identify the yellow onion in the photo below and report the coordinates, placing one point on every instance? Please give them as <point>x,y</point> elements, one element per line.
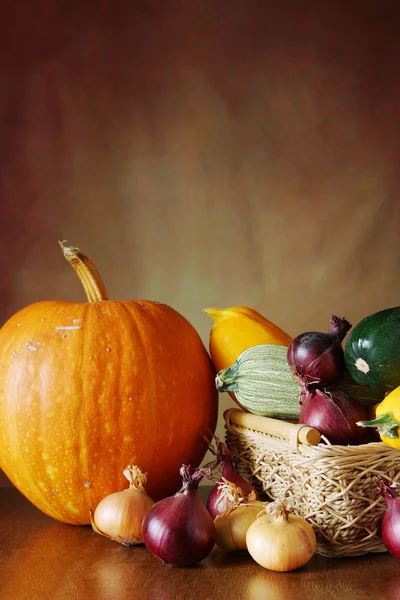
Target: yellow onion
<point>232,524</point>
<point>119,515</point>
<point>281,541</point>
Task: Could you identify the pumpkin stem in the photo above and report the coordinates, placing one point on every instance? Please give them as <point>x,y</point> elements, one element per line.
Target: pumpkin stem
<point>87,273</point>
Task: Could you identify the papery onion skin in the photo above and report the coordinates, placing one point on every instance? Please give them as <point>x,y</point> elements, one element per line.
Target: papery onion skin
<point>281,541</point>
<point>114,518</point>
<point>231,526</point>
<point>317,358</point>
<point>119,515</point>
<point>215,504</point>
<point>390,529</point>
<point>334,414</point>
<point>179,530</point>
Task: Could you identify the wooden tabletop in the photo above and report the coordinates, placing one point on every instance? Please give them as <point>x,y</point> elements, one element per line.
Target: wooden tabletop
<point>43,559</point>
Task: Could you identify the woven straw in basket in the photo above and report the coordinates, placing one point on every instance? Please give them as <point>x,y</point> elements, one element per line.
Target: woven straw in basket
<point>333,487</point>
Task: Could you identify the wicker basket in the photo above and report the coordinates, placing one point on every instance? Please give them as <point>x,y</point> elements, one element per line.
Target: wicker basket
<point>333,487</point>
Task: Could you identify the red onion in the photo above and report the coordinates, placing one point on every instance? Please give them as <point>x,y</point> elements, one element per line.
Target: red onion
<point>334,414</point>
<point>317,358</point>
<point>391,520</point>
<point>179,530</point>
<point>216,504</point>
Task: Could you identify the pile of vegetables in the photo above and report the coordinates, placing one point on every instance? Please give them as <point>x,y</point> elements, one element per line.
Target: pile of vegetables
<point>180,530</point>
<point>273,537</point>
<point>350,394</point>
<point>305,382</point>
<point>314,380</point>
<point>94,394</point>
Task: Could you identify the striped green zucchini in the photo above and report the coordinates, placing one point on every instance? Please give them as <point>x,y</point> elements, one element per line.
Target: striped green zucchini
<point>263,383</point>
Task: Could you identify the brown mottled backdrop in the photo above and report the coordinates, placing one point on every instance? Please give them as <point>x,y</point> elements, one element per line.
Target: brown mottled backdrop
<point>211,152</point>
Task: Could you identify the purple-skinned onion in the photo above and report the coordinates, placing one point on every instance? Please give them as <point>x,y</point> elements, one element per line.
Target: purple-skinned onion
<point>179,530</point>
<point>334,414</point>
<point>217,502</point>
<point>390,530</point>
<point>317,358</point>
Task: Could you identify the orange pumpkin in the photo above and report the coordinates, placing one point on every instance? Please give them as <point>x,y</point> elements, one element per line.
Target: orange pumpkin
<point>88,388</point>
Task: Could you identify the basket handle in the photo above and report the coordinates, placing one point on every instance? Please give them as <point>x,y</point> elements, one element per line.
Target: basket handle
<point>294,432</point>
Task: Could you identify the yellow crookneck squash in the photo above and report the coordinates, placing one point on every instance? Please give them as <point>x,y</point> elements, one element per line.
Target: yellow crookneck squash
<point>236,329</point>
<point>88,388</point>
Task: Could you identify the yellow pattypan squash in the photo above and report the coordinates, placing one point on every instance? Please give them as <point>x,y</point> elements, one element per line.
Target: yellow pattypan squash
<point>387,419</point>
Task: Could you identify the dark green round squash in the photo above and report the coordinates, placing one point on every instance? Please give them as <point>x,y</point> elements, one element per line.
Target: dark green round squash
<point>372,351</point>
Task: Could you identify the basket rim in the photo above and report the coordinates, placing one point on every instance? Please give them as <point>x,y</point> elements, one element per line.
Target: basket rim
<point>323,448</point>
<point>321,452</point>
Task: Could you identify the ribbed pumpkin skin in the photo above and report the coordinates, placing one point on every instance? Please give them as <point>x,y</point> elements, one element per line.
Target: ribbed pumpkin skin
<point>131,384</point>
<point>376,340</point>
